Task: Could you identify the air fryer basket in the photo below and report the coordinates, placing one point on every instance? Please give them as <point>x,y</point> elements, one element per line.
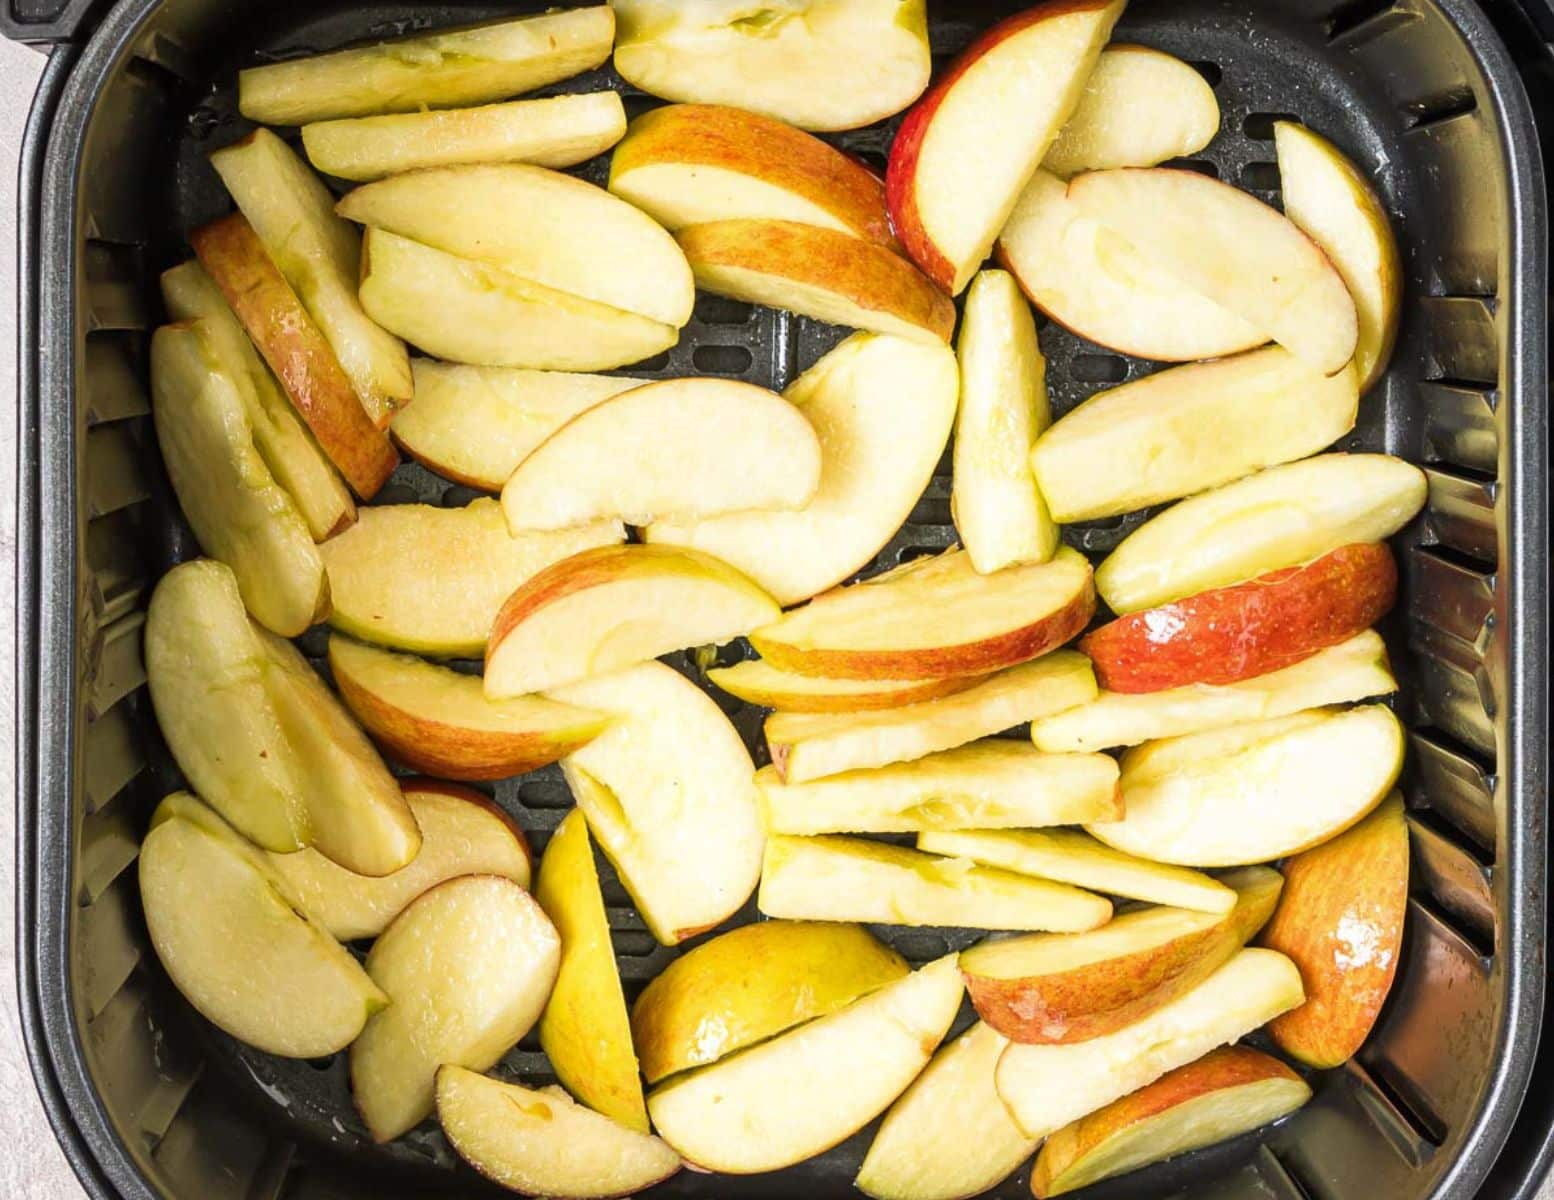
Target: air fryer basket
<point>151,1101</point>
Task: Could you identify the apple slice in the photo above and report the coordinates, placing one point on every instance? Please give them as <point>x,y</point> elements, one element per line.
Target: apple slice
<point>543,1143</point>
<point>240,515</point>
<point>750,984</point>
<point>678,448</point>
<point>467,967</point>
<point>552,229</point>
<point>1000,515</point>
<point>484,315</point>
<point>1227,1092</point>
<point>1232,248</point>
<point>443,69</point>
<point>922,1150</point>
<point>669,794</point>
<point>758,682</point>
<point>812,745</point>
<point>1140,107</point>
<point>1256,792</point>
<point>1073,856</point>
<point>1333,204</point>
<point>1277,518</point>
<point>832,878</point>
<point>820,64</point>
<point>296,351</point>
<point>1188,429</point>
<point>558,131</point>
<point>1091,280</point>
<point>432,579</point>
<point>804,1091</point>
<point>687,164</point>
<point>882,408</point>
<point>1060,988</point>
<point>968,148</point>
<point>991,784</point>
<point>1341,921</point>
<point>818,273</point>
<point>613,607</point>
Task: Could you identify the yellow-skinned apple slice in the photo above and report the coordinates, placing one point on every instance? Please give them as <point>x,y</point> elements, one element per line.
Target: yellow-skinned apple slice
<point>687,164</point>
<point>1188,429</point>
<point>995,783</point>
<point>1074,987</point>
<point>883,408</point>
<point>922,1151</point>
<point>1277,518</point>
<point>467,968</point>
<point>438,720</point>
<point>968,148</point>
<point>831,878</point>
<point>543,1143</point>
<point>558,131</point>
<point>431,580</point>
<point>1234,249</point>
<point>812,745</point>
<point>758,682</point>
<point>819,64</point>
<point>1001,517</point>
<point>802,1092</point>
<point>677,448</point>
<point>669,794</point>
<point>752,983</point>
<point>1341,921</point>
<point>444,69</point>
<point>1047,1086</point>
<point>1222,1095</point>
<point>1327,197</point>
<point>1256,792</point>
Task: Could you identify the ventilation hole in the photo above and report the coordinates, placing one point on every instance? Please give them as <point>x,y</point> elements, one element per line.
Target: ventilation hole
<point>637,103</point>
<point>459,496</point>
<point>322,1064</point>
<point>1210,71</point>
<point>614,893</point>
<point>722,360</point>
<point>633,943</point>
<point>1098,368</point>
<point>1200,165</point>
<point>875,160</point>
<point>659,362</point>
<point>544,793</point>
<point>1261,176</point>
<point>1259,125</point>
<point>1350,16</point>
<point>1402,1096</point>
<point>396,493</point>
<point>720,310</point>
<point>931,510</point>
<point>1436,109</point>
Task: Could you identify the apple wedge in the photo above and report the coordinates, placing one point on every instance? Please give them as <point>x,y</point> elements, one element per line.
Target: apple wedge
<point>968,148</point>
<point>552,229</point>
<point>467,968</point>
<point>431,580</point>
<point>1227,1092</point>
<point>832,878</point>
<point>558,131</point>
<point>1075,987</point>
<point>543,1143</point>
<point>1188,429</point>
<point>925,1150</point>
<point>239,514</point>
<point>1234,249</point>
<point>820,64</point>
<point>296,351</point>
<point>1341,922</point>
<point>1001,517</point>
<point>609,608</point>
<point>883,408</point>
<point>438,720</point>
<point>758,682</point>
<point>750,984</point>
<point>1090,279</point>
<point>1073,856</point>
<point>669,794</point>
<point>1277,518</point>
<point>1047,1086</point>
<point>491,317</point>
<point>687,164</point>
<point>444,69</point>
<point>808,746</point>
<point>804,1091</point>
<point>991,784</point>
<point>1256,792</point>
<point>817,273</point>
<point>677,449</point>
<point>1333,204</point>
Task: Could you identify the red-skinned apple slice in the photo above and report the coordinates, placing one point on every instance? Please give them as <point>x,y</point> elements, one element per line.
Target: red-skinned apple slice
<point>758,682</point>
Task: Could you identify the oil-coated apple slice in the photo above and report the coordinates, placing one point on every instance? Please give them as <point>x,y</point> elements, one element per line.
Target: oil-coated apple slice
<point>758,682</point>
